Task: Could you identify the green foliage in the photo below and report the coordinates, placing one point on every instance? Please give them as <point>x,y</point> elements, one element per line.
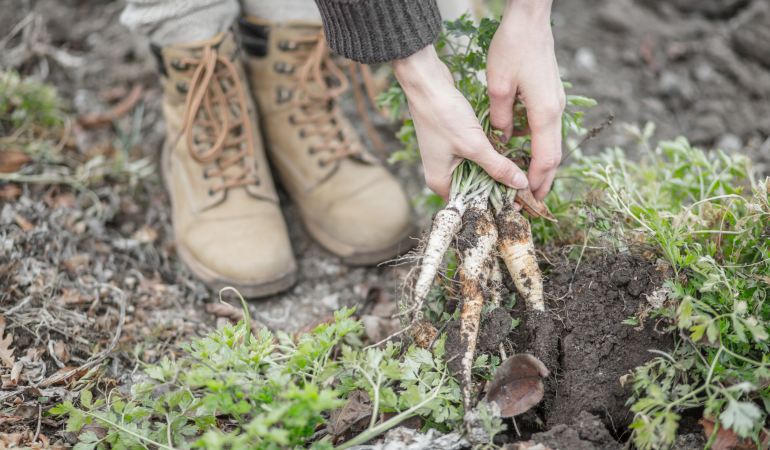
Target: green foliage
<point>26,103</point>
<point>708,218</point>
<point>417,380</point>
<point>235,390</point>
<point>31,116</point>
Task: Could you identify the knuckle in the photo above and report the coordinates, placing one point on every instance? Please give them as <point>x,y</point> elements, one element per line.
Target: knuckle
<point>549,112</point>
<point>550,162</point>
<point>501,171</point>
<point>499,90</point>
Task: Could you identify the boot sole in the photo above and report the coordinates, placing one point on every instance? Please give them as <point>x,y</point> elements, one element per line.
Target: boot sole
<point>213,280</point>
<point>248,290</point>
<point>352,257</point>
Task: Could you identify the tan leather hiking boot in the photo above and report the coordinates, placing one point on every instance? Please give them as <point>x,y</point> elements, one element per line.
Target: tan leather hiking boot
<point>348,201</point>
<point>227,221</point>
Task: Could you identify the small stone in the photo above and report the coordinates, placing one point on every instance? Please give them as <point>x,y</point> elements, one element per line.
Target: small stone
<point>331,301</point>
<point>585,59</point>
<point>704,72</point>
<point>673,85</point>
<point>730,143</point>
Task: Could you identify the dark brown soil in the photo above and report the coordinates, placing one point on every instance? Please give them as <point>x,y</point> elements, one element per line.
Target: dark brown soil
<point>585,432</point>
<point>583,342</point>
<point>596,348</point>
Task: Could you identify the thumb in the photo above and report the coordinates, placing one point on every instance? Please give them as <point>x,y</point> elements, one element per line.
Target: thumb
<point>498,166</point>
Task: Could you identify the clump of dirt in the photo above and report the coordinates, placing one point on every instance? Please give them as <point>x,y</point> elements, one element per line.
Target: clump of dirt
<point>493,330</point>
<point>591,348</point>
<point>585,432</point>
<point>468,236</point>
<point>495,326</point>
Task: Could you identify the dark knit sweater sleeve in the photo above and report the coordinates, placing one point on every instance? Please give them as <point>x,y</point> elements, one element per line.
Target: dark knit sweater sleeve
<point>372,31</point>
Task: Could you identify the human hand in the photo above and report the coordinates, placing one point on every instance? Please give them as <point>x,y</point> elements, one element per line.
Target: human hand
<point>446,126</point>
<point>522,63</point>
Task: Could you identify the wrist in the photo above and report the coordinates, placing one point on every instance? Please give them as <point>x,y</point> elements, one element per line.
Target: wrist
<point>530,9</point>
<point>418,71</point>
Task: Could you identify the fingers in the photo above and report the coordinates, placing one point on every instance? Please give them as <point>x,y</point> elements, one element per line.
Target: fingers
<point>502,96</point>
<point>546,148</point>
<point>496,165</point>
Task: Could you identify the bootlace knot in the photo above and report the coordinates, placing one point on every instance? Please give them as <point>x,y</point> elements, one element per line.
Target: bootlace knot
<point>216,123</point>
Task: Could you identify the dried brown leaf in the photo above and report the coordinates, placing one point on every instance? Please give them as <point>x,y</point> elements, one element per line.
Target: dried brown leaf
<point>16,372</point>
<point>61,351</point>
<point>10,192</point>
<point>6,351</point>
<point>76,262</point>
<point>9,419</point>
<point>12,160</point>
<point>72,297</point>
<point>358,409</point>
<point>23,223</point>
<point>517,384</point>
<point>726,439</point>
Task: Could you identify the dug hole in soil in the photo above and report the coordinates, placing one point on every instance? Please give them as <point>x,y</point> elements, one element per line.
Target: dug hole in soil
<point>588,351</point>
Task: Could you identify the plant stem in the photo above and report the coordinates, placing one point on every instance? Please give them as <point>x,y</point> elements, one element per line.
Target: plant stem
<point>127,431</point>
<point>371,433</point>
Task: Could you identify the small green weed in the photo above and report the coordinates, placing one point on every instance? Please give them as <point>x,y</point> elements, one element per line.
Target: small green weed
<point>232,389</point>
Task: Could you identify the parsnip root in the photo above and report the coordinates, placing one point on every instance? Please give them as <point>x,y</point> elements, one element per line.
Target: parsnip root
<point>518,252</point>
<point>474,257</point>
<point>445,226</point>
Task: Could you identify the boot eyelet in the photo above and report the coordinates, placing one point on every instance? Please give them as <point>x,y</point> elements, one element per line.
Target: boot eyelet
<point>282,67</point>
<point>283,95</point>
<point>211,192</point>
<point>310,151</point>
<point>179,66</point>
<point>292,120</point>
<point>287,45</point>
<point>321,163</point>
<point>181,87</point>
<point>302,134</point>
<point>205,175</point>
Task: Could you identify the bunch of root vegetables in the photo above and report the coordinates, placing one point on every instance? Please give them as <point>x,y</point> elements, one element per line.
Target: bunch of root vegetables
<point>483,212</point>
<point>482,218</point>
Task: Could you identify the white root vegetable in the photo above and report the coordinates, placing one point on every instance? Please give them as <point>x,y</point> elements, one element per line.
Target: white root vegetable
<point>518,251</point>
<point>495,281</point>
<point>474,258</point>
<point>445,226</point>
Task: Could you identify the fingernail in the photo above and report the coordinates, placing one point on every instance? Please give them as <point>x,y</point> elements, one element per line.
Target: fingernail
<point>519,181</point>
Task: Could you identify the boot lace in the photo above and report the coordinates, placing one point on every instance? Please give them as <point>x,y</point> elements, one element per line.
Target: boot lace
<point>319,82</point>
<point>216,123</point>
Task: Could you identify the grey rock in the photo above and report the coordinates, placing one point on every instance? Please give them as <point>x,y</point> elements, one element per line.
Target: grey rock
<point>674,85</point>
<point>585,59</point>
<point>730,143</point>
